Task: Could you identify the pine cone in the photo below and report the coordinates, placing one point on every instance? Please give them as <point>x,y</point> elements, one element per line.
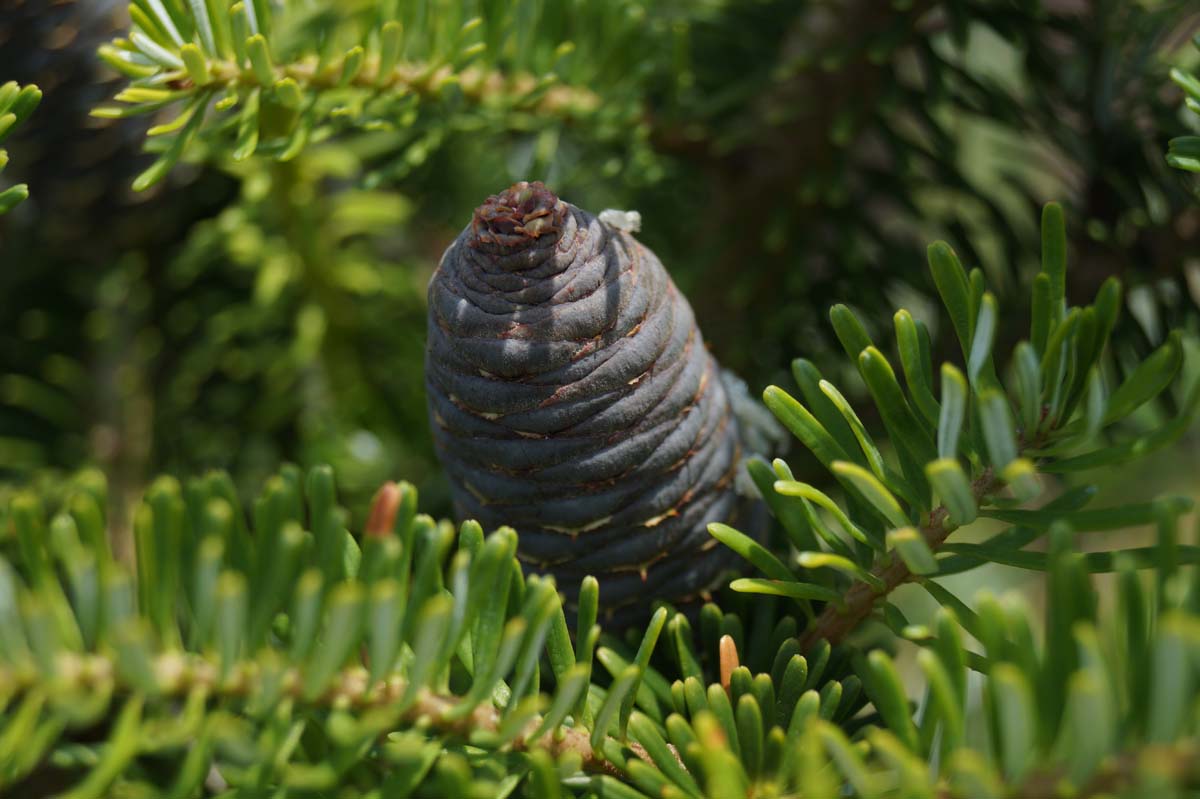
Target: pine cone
<point>572,397</point>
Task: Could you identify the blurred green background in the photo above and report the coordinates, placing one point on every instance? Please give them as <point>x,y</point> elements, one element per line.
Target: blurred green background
<point>784,156</point>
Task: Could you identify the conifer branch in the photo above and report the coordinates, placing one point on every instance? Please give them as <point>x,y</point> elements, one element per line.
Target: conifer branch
<point>835,623</point>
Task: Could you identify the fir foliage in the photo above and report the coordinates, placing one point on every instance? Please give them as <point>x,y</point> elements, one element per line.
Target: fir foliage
<point>16,104</point>
<point>1184,152</point>
<point>267,648</point>
<point>283,324</point>
<point>280,647</point>
<point>839,121</point>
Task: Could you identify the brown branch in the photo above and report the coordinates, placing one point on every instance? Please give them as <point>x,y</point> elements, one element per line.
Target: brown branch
<point>834,624</point>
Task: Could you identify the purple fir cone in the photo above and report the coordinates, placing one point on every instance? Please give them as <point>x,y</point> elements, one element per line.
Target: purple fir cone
<point>572,397</point>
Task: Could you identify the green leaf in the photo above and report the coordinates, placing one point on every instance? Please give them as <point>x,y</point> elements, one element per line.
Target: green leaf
<point>1136,447</point>
<point>122,747</point>
<point>197,66</point>
<point>642,661</point>
<point>204,25</point>
<point>1186,81</point>
<point>646,734</point>
<point>12,196</point>
<point>998,431</point>
<point>1021,477</point>
<point>721,708</point>
<point>681,634</point>
<point>1056,362</point>
<point>128,64</point>
<point>489,583</point>
<point>1042,320</point>
<point>352,63</point>
<point>796,418</point>
<point>793,488</point>
<point>1181,153</point>
<point>1011,701</point>
<point>342,630</point>
<point>518,717</point>
<point>1096,519</point>
<point>1089,733</point>
<point>306,613</point>
<point>27,99</point>
<point>541,604</point>
<point>982,340</point>
<point>499,664</point>
<point>861,436</point>
<point>159,169</point>
<point>909,433</point>
<point>849,330</point>
<point>972,775</point>
<point>912,770</point>
<point>1092,562</point>
<point>749,721</point>
<point>275,579</point>
<point>1028,379</point>
<point>791,681</point>
<point>848,761</point>
<point>1084,351</point>
<point>951,282</point>
<point>918,372</point>
<point>788,511</point>
<point>953,486</point>
<point>230,619</point>
<point>558,645</point>
<point>953,411</point>
<point>886,690</point>
<point>247,137</point>
<point>586,612</point>
<point>624,685</point>
<point>572,685</point>
<point>1054,256</point>
<point>1097,403</point>
<point>910,545</point>
<point>428,645</point>
<point>825,560</point>
<point>260,60</point>
<point>943,699</point>
<point>751,551</point>
<point>154,51</point>
<point>26,515</point>
<point>239,32</point>
<point>390,42</point>
<point>789,588</point>
<point>874,492</point>
<point>289,94</point>
<point>1147,381</point>
<point>383,629</point>
<point>809,379</point>
<point>1172,694</point>
<point>652,692</point>
<point>717,759</point>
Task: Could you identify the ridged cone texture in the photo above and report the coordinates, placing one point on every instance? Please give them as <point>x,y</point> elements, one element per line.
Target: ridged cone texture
<point>572,397</point>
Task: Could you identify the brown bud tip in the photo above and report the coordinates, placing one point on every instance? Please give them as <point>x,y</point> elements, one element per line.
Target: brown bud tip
<point>728,656</point>
<point>382,519</point>
<point>516,216</point>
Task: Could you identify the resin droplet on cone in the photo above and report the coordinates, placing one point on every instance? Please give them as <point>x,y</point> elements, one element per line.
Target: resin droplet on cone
<point>572,398</point>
